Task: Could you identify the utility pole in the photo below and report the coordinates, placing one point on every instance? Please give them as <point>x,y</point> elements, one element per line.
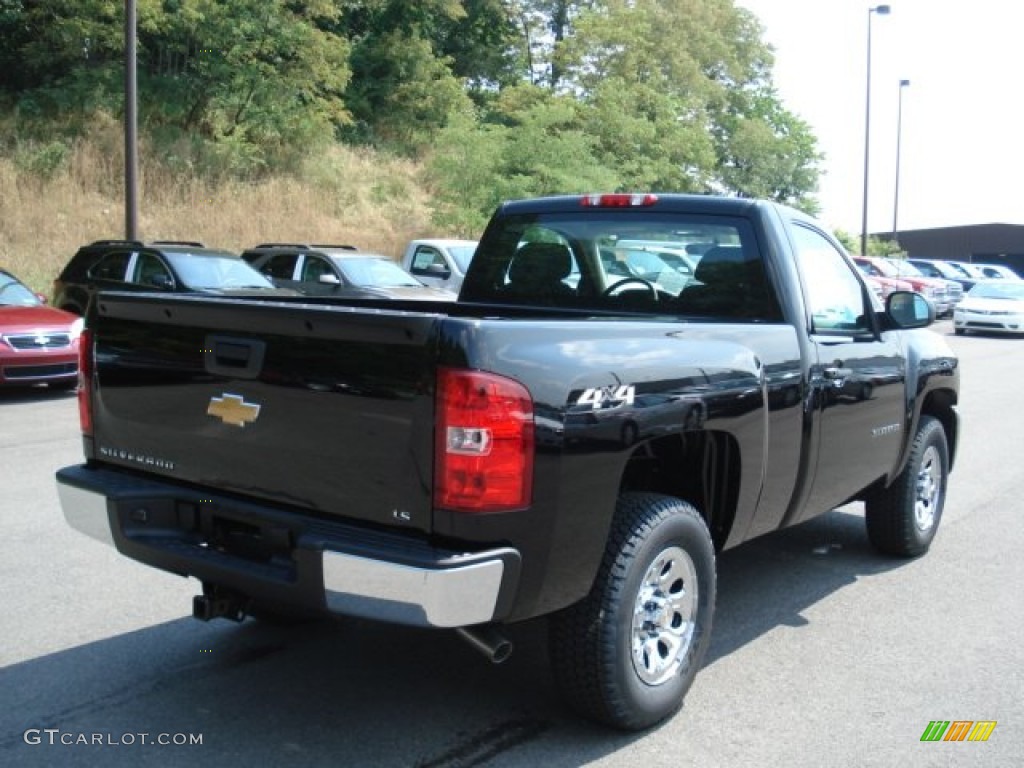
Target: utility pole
<point>131,126</point>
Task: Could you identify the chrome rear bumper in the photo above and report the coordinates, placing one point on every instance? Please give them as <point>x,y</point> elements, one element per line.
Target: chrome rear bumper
<point>336,568</point>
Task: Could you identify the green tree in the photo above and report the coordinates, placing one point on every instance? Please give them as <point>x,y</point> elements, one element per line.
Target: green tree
<point>259,75</point>
<point>543,95</point>
<point>403,94</point>
<point>251,77</point>
<point>679,95</point>
<point>534,143</point>
<point>876,246</point>
<point>403,88</point>
<point>483,45</point>
<point>766,151</point>
<point>669,95</point>
<point>59,56</point>
<point>850,242</point>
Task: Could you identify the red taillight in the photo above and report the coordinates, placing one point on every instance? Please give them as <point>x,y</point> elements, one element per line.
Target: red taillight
<point>618,200</point>
<point>85,381</point>
<point>483,442</point>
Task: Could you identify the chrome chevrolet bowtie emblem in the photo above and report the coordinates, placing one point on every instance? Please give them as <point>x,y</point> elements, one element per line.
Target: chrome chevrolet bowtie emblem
<point>233,410</point>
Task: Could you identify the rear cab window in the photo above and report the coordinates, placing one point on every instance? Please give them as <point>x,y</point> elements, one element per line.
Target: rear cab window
<point>663,263</point>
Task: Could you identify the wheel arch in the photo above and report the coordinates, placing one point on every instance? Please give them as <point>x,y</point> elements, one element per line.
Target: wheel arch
<point>702,468</point>
<point>941,404</point>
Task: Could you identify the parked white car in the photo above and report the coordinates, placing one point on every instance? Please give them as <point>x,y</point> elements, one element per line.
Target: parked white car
<point>439,262</point>
<point>995,306</point>
<point>997,272</point>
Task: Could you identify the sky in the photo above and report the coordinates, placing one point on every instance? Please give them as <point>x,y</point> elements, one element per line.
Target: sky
<point>961,154</point>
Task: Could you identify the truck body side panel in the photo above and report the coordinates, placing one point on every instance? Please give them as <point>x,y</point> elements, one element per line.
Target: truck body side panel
<point>604,387</point>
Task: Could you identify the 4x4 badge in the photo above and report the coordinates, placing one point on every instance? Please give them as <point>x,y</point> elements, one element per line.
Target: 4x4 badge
<point>233,410</point>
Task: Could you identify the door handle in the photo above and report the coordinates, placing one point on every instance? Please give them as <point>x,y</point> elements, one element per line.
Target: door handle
<point>835,374</point>
<point>233,357</point>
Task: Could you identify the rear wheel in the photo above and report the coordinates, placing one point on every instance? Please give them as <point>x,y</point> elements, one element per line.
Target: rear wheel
<point>902,519</point>
<point>627,653</point>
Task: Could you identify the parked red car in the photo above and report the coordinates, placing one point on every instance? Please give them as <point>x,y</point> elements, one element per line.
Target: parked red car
<point>933,289</point>
<point>38,344</point>
<point>883,286</point>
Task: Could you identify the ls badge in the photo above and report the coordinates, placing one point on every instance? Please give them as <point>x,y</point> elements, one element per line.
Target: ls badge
<point>233,410</point>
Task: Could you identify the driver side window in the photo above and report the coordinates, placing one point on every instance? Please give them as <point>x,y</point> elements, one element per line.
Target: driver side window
<point>150,271</point>
<point>314,269</point>
<point>280,267</point>
<point>834,294</point>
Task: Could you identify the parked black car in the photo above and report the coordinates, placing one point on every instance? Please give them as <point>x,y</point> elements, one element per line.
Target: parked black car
<point>163,265</point>
<point>337,270</point>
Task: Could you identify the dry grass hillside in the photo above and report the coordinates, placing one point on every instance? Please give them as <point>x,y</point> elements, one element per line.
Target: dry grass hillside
<point>342,196</point>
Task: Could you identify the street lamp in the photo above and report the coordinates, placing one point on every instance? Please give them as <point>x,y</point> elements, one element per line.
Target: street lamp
<point>881,10</point>
<point>899,135</point>
<point>131,124</point>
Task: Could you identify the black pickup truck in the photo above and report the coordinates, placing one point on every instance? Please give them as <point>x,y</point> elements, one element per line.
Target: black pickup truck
<point>626,384</point>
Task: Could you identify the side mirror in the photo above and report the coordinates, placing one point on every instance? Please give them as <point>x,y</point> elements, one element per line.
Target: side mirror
<point>907,309</point>
<point>328,279</point>
<point>161,281</point>
<point>438,270</point>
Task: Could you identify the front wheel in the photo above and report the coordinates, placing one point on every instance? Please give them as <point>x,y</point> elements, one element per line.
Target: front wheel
<point>626,654</point>
<point>902,519</point>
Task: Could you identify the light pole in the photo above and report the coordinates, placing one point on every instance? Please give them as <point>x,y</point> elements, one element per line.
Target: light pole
<point>881,10</point>
<point>131,127</point>
<point>899,136</point>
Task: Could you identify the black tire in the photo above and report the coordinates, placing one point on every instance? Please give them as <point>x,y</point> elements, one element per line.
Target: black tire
<point>902,519</point>
<point>959,331</point>
<point>615,664</point>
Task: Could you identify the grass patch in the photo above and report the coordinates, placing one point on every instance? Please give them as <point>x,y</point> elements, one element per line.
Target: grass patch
<point>60,195</point>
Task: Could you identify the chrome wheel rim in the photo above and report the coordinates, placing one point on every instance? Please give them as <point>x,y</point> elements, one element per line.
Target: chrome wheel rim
<point>928,493</point>
<point>664,616</point>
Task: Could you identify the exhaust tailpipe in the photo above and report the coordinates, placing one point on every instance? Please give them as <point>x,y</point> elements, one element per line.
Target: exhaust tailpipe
<point>207,607</point>
<point>488,640</point>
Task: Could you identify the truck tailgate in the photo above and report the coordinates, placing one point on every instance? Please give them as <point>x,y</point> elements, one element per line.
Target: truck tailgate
<point>329,408</point>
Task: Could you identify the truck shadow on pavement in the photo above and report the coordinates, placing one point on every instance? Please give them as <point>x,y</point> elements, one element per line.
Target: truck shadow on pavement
<point>357,693</point>
<point>41,393</point>
<point>768,582</point>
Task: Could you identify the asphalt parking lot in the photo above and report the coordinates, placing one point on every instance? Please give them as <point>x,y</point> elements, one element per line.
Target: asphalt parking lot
<point>823,654</point>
